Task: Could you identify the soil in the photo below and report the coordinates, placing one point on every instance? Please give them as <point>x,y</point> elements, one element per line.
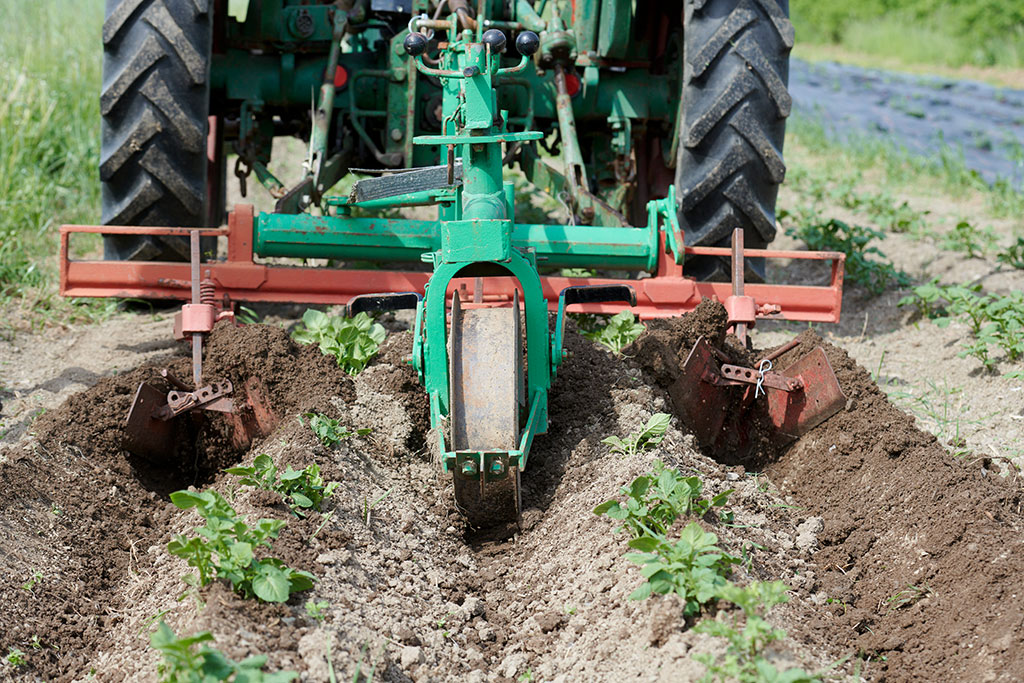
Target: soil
<point>414,594</point>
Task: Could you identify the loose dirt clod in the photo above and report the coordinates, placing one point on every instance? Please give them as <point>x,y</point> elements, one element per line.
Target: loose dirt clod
<point>894,550</point>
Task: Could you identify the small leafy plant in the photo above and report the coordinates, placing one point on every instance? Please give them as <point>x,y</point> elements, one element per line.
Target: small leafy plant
<point>694,567</point>
<point>352,341</point>
<point>649,437</point>
<point>875,275</point>
<point>329,431</point>
<point>224,549</point>
<point>995,320</point>
<point>621,330</point>
<point>182,663</point>
<point>300,489</point>
<point>1014,255</point>
<point>969,239</point>
<point>315,609</point>
<point>744,659</point>
<point>15,657</point>
<point>654,501</point>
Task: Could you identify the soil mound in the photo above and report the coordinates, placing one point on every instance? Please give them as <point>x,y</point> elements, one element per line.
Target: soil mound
<point>922,554</point>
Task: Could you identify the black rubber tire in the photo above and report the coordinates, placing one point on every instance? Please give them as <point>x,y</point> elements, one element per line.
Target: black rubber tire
<point>736,100</point>
<point>155,103</point>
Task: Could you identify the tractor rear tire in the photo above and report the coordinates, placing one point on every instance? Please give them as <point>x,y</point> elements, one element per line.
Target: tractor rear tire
<point>155,104</point>
<point>735,97</point>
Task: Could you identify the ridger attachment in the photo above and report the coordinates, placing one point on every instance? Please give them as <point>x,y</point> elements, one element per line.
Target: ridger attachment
<point>710,391</point>
<point>149,431</point>
<point>488,367</point>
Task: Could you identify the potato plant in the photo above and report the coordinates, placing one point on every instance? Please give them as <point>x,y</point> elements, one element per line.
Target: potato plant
<point>995,320</point>
<point>648,437</point>
<point>654,500</point>
<point>694,567</point>
<point>224,549</point>
<point>621,330</point>
<point>743,659</point>
<point>300,489</point>
<point>182,663</point>
<point>352,341</point>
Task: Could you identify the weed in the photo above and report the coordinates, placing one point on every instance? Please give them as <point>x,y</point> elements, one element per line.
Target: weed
<point>1013,256</point>
<point>182,663</point>
<point>329,431</point>
<point>352,341</point>
<point>969,239</point>
<point>908,596</point>
<point>621,330</point>
<point>743,659</point>
<point>315,609</point>
<point>15,657</point>
<point>649,437</point>
<point>694,567</point>
<point>36,577</point>
<point>526,676</point>
<point>300,489</point>
<point>369,505</point>
<point>855,242</point>
<point>36,643</point>
<point>224,550</point>
<point>654,501</point>
<point>247,316</point>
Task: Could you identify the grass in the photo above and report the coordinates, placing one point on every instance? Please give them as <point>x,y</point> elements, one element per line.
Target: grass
<point>896,168</point>
<point>981,33</point>
<point>49,143</point>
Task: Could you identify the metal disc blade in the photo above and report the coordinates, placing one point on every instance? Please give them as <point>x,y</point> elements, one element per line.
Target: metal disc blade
<point>486,364</point>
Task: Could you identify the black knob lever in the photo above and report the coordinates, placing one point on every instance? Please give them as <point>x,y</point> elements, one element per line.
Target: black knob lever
<point>527,43</point>
<point>415,44</point>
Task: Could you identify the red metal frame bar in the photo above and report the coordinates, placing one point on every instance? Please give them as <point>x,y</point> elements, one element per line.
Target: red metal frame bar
<point>240,278</point>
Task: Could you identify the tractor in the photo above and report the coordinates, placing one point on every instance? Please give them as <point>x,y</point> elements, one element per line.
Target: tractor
<point>657,128</point>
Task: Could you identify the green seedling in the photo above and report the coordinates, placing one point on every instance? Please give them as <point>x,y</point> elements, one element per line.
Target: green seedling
<point>649,437</point>
<point>369,505</point>
<point>654,501</point>
<point>969,239</point>
<point>352,341</point>
<point>743,659</point>
<point>908,596</point>
<point>1014,255</point>
<point>621,330</point>
<point>315,609</point>
<point>183,663</point>
<point>300,489</point>
<point>36,577</point>
<point>15,657</point>
<point>694,567</point>
<point>36,643</point>
<point>247,316</point>
<point>224,549</point>
<point>329,431</point>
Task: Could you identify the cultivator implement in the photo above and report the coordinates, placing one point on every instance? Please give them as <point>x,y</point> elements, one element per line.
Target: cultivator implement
<point>483,347</point>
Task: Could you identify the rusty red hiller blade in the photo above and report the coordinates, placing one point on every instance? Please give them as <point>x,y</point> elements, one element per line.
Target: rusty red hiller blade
<point>797,412</point>
<point>252,418</point>
<point>145,435</point>
<point>704,405</point>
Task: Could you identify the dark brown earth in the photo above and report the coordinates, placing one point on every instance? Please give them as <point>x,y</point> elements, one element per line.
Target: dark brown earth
<point>922,554</point>
<point>916,572</point>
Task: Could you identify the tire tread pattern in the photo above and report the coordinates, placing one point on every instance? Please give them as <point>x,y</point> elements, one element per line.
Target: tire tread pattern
<point>154,102</point>
<point>736,101</point>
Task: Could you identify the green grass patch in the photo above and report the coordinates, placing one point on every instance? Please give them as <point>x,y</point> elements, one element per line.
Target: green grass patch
<point>898,169</point>
<point>971,32</point>
<point>49,138</point>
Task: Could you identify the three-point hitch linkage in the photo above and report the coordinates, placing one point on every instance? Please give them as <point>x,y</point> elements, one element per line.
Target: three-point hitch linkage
<point>482,344</point>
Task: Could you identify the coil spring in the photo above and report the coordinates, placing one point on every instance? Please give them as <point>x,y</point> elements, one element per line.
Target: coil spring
<point>207,292</point>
